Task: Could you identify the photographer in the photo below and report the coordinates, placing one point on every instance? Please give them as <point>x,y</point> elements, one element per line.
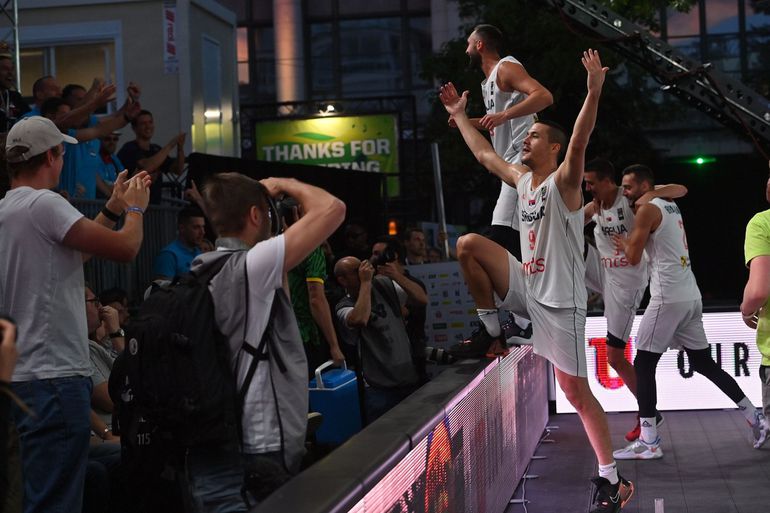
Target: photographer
<point>254,259</point>
<point>371,317</point>
<point>387,261</point>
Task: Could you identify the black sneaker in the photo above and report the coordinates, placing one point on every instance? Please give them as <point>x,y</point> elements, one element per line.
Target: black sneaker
<point>480,344</point>
<point>514,335</point>
<point>608,498</point>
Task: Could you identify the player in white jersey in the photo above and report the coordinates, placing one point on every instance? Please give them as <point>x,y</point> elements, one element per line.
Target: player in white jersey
<point>548,285</point>
<point>621,284</point>
<point>511,99</point>
<point>674,317</point>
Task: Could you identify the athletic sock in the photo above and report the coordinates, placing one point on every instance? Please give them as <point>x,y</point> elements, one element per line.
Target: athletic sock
<point>521,322</point>
<point>649,429</point>
<point>488,317</point>
<point>609,472</point>
<point>748,410</point>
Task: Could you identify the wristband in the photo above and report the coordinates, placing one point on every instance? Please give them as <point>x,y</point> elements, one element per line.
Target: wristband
<point>109,214</point>
<point>137,210</point>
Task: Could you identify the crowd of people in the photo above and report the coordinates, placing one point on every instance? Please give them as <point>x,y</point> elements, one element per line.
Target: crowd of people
<point>81,436</point>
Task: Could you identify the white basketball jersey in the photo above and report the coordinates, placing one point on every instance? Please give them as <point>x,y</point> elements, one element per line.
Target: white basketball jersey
<point>671,277</point>
<point>507,140</point>
<point>551,245</point>
<point>618,220</point>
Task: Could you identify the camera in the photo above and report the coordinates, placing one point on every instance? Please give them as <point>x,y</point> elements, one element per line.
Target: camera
<point>388,255</point>
<point>282,213</point>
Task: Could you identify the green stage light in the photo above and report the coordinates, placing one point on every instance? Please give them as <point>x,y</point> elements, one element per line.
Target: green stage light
<point>700,160</point>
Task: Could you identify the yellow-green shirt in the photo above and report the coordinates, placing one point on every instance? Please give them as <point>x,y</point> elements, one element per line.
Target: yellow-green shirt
<point>758,244</point>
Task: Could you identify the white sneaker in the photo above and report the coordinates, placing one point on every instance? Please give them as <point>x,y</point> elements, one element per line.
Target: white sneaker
<point>640,450</point>
<point>759,430</point>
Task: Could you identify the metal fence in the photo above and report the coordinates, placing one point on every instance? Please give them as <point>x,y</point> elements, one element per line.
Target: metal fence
<point>160,228</point>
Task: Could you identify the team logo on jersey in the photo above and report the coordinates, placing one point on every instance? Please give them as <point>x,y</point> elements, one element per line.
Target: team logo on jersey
<point>620,214</point>
<point>543,192</point>
<point>608,218</point>
<point>683,261</point>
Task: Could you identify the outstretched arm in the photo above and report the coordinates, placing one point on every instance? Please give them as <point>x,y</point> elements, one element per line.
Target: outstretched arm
<point>669,191</point>
<point>480,146</point>
<point>569,176</point>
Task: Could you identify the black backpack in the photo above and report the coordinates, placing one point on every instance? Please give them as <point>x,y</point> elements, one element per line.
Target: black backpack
<point>177,365</point>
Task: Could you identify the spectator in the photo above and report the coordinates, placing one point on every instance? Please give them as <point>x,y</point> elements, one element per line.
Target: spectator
<point>81,161</point>
<point>8,356</point>
<point>433,255</point>
<point>386,258</point>
<point>95,98</point>
<point>142,153</point>
<point>370,315</point>
<point>237,207</point>
<point>109,165</point>
<point>175,259</point>
<point>116,298</point>
<point>43,242</point>
<point>101,361</point>
<point>356,241</point>
<point>414,242</point>
<point>12,105</point>
<point>43,88</point>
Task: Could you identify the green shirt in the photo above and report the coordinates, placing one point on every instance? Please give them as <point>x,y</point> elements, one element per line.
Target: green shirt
<point>312,269</point>
<point>758,244</point>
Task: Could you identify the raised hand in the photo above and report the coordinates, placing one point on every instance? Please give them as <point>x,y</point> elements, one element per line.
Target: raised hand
<point>596,73</point>
<point>453,103</point>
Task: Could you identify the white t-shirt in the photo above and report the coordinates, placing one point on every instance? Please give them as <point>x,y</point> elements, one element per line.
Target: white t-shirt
<point>264,264</point>
<point>618,220</point>
<point>671,277</point>
<point>551,245</point>
<point>42,286</point>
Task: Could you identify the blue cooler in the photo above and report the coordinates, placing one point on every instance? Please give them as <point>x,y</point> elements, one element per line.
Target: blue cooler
<point>335,395</point>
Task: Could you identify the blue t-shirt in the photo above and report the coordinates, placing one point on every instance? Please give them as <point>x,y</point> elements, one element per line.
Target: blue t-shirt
<point>109,170</point>
<point>33,111</point>
<point>174,259</point>
<point>81,163</point>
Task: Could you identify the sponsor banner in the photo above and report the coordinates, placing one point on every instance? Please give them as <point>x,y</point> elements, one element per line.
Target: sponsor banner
<point>170,57</point>
<point>451,312</point>
<point>733,347</point>
<point>363,143</point>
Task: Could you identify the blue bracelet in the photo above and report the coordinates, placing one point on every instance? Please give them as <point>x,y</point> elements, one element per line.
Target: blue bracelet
<point>138,210</point>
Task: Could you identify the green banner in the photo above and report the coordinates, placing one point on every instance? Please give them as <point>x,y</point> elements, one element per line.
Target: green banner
<point>363,143</point>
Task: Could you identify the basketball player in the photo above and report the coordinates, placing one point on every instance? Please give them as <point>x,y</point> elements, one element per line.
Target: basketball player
<point>548,286</point>
<point>621,284</point>
<point>511,98</point>
<point>674,317</point>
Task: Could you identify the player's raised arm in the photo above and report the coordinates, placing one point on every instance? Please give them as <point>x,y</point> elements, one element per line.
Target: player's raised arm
<point>478,144</point>
<point>569,176</point>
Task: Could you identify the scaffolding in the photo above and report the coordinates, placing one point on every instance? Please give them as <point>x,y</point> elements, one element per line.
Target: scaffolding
<point>9,9</point>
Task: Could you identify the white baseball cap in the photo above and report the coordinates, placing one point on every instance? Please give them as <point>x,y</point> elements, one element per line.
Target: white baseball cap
<point>37,134</point>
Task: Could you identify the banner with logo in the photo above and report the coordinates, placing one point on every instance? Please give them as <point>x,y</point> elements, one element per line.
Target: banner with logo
<point>733,347</point>
<point>170,57</point>
<point>363,143</point>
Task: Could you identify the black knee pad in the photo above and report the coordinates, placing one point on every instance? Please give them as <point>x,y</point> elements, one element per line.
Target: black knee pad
<point>646,362</point>
<point>615,342</point>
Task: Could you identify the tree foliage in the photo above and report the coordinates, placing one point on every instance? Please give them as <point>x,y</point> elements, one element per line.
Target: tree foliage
<point>550,48</point>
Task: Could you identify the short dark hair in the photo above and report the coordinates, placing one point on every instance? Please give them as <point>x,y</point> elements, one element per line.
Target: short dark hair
<point>490,35</point>
<point>38,85</point>
<point>188,212</point>
<point>26,166</point>
<point>143,112</point>
<point>69,88</point>
<point>113,295</point>
<point>602,167</point>
<point>229,198</point>
<point>409,231</point>
<point>51,105</point>
<point>392,244</point>
<point>556,134</point>
<point>641,173</point>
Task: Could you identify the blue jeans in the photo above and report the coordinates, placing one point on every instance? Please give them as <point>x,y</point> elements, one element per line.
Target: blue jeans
<point>214,478</point>
<point>54,443</point>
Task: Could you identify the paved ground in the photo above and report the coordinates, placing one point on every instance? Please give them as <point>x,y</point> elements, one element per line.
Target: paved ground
<point>708,466</point>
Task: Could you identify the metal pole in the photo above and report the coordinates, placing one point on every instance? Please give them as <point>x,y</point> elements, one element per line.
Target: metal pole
<point>16,43</point>
<point>439,197</point>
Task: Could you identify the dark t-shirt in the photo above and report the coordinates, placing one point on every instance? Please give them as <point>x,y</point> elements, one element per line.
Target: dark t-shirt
<point>130,155</point>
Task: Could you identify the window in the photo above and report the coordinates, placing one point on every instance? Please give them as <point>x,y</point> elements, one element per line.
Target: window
<point>264,60</point>
<point>682,23</point>
<point>721,16</point>
<point>322,59</point>
<point>370,56</point>
<point>243,56</point>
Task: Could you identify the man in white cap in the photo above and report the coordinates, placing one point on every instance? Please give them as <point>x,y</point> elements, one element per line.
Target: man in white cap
<point>43,243</point>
